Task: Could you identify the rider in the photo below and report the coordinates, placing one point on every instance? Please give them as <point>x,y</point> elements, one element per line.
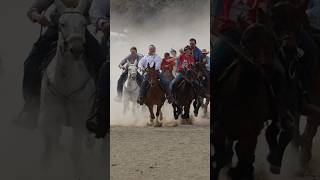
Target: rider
<point>152,59</point>
<point>167,62</point>
<point>132,57</point>
<point>206,59</point>
<point>196,52</point>
<point>313,12</point>
<point>184,63</point>
<point>32,65</point>
<point>100,16</point>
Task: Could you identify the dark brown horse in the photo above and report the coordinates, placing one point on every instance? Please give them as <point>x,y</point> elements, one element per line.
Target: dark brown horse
<point>203,91</point>
<point>242,103</point>
<point>155,96</point>
<point>287,19</point>
<point>184,94</point>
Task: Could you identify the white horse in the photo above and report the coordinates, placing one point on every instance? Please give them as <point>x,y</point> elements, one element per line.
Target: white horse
<point>131,87</point>
<point>67,87</point>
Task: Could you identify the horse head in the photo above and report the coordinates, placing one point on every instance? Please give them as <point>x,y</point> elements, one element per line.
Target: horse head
<point>72,28</point>
<point>152,75</point>
<point>286,21</point>
<point>259,45</point>
<point>132,70</point>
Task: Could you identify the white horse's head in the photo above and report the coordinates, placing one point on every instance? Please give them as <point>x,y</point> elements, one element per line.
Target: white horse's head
<point>72,27</point>
<point>132,70</point>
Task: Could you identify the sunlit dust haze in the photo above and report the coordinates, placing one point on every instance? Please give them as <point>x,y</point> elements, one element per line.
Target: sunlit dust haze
<point>165,26</point>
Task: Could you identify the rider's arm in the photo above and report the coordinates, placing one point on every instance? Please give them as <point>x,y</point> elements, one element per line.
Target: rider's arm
<point>37,7</point>
<point>99,12</point>
<point>142,63</point>
<point>158,61</point>
<point>124,61</point>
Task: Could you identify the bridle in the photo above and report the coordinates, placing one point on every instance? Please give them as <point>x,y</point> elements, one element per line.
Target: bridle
<point>65,41</point>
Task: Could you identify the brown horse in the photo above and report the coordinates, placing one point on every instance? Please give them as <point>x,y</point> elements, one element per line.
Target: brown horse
<point>242,103</point>
<point>155,96</point>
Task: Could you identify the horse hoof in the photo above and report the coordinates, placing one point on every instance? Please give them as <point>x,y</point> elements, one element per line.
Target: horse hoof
<point>149,123</point>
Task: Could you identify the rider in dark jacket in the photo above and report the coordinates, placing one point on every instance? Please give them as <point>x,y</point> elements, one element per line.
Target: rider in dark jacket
<point>99,124</point>
<point>37,56</point>
<point>133,56</point>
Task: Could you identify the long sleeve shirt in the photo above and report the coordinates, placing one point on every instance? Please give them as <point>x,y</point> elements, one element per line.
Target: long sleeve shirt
<point>40,6</point>
<point>197,54</point>
<point>100,12</point>
<point>184,62</point>
<point>151,60</point>
<point>226,12</point>
<point>131,59</point>
<point>313,13</point>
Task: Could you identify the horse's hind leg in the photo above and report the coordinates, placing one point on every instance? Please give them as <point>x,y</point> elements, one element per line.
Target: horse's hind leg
<point>245,150</point>
<point>308,135</point>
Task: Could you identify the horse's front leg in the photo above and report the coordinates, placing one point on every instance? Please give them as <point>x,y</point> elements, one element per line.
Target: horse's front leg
<point>152,117</point>
<point>186,114</point>
<point>196,105</point>
<point>306,148</point>
<point>158,113</point>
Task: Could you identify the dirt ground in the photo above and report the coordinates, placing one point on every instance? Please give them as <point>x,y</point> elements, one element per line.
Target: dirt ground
<point>170,153</point>
<point>290,166</point>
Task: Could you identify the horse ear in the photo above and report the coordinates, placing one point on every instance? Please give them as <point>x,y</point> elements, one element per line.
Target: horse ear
<point>135,62</point>
<point>83,5</point>
<point>60,6</point>
<point>148,65</point>
<point>154,65</point>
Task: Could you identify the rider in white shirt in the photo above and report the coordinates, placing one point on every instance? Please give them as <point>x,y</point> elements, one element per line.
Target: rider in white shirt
<point>152,59</point>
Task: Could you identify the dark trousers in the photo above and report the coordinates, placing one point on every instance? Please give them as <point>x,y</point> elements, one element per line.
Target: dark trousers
<point>122,80</point>
<point>32,65</point>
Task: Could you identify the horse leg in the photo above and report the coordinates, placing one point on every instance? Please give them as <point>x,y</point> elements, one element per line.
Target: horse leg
<point>51,130</point>
<point>308,135</point>
<point>245,150</point>
<point>175,111</point>
<point>277,141</point>
<point>152,117</point>
<point>76,149</point>
<point>158,123</point>
<point>187,114</point>
<point>219,146</point>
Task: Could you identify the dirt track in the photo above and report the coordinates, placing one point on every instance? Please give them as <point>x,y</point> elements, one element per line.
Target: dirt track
<point>170,153</point>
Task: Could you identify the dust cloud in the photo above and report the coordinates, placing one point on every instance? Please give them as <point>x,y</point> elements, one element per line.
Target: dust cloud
<point>170,27</point>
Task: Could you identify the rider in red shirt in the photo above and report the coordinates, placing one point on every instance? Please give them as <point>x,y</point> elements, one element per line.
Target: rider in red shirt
<point>184,62</point>
<point>167,62</point>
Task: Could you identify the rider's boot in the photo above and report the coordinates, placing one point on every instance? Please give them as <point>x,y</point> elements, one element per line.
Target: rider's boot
<point>28,118</point>
<point>98,122</point>
<point>118,98</point>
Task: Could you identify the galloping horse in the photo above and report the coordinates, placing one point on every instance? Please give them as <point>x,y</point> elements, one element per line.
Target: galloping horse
<point>242,103</point>
<point>202,77</point>
<point>131,87</point>
<point>67,91</point>
<point>155,96</point>
<point>184,94</point>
